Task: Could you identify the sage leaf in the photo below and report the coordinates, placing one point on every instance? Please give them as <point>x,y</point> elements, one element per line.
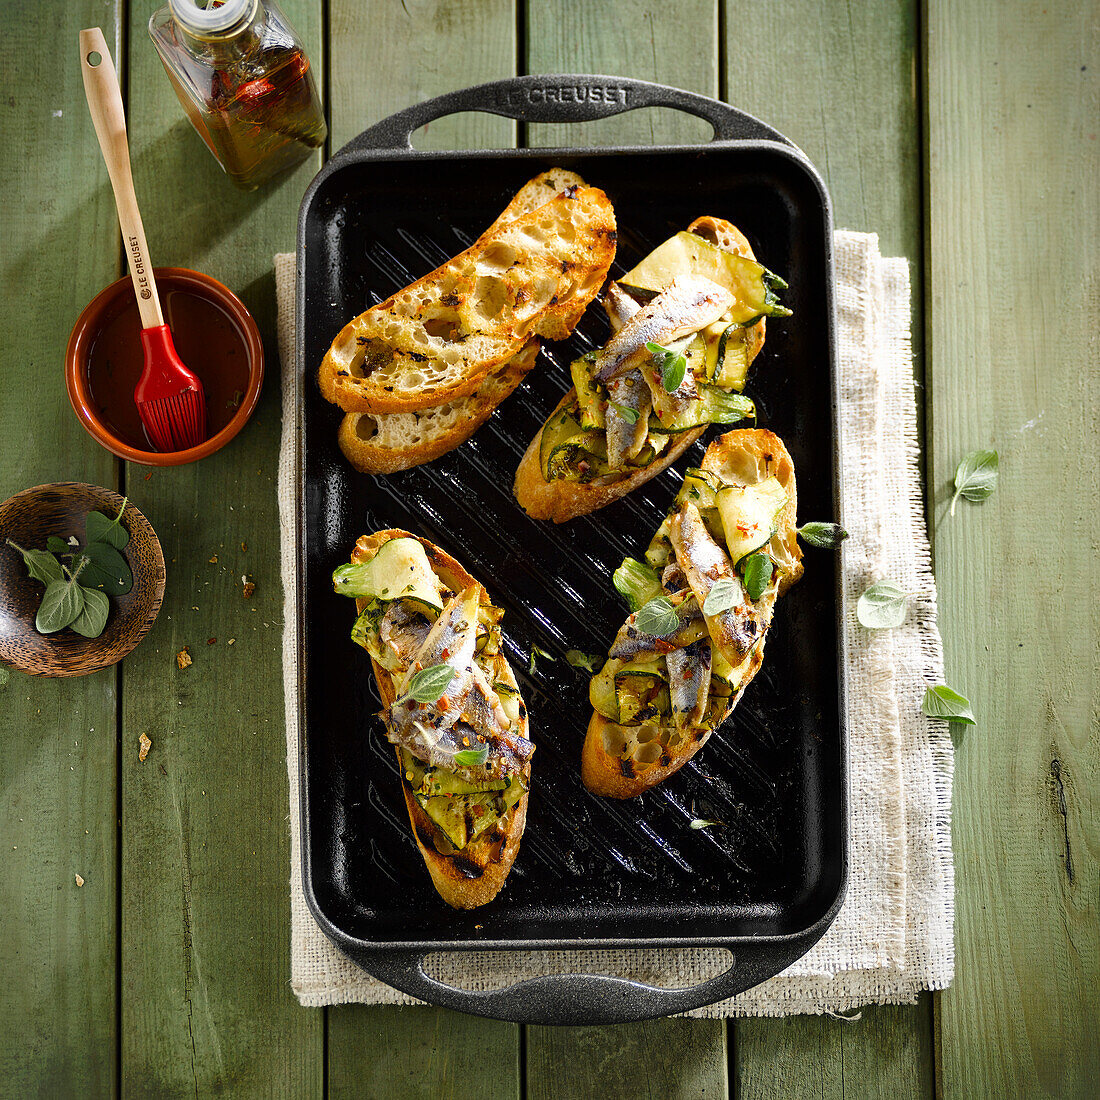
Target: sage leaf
<point>827,536</point>
<point>57,545</point>
<point>472,758</point>
<point>93,616</point>
<point>105,568</point>
<point>427,685</point>
<point>757,570</point>
<point>722,596</point>
<point>62,603</point>
<point>586,661</point>
<point>941,701</point>
<point>626,412</point>
<point>101,528</point>
<point>41,564</point>
<point>975,477</point>
<point>538,651</point>
<point>656,618</point>
<point>882,606</point>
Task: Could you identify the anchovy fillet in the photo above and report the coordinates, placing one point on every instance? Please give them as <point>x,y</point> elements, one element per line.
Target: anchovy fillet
<point>625,439</point>
<point>630,641</point>
<point>619,305</point>
<point>681,310</point>
<point>689,672</point>
<point>404,631</point>
<point>468,714</point>
<point>737,630</point>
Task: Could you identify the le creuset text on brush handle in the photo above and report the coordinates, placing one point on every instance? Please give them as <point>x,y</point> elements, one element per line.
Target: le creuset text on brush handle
<point>109,117</point>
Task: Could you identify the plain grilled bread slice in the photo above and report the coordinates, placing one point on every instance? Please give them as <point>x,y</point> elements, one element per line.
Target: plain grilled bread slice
<point>384,443</point>
<point>560,500</point>
<point>533,194</point>
<point>623,761</point>
<point>475,874</point>
<point>437,339</point>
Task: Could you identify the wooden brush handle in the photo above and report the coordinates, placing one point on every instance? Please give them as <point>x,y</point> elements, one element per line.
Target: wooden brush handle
<point>109,117</point>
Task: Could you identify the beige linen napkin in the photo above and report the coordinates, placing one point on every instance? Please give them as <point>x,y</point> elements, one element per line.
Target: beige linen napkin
<point>893,936</point>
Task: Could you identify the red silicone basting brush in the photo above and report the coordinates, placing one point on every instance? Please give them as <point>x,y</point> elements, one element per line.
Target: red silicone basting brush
<point>169,397</point>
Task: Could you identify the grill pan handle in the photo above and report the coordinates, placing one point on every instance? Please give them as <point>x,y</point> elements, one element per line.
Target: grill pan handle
<point>548,98</point>
<point>583,998</point>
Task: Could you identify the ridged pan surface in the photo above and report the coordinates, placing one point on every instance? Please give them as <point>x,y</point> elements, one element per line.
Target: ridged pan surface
<point>589,869</point>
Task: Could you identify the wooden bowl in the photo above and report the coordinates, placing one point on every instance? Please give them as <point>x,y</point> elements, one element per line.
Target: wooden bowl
<point>29,518</point>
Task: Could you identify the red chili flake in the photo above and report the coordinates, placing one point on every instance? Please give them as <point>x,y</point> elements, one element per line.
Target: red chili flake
<point>211,641</point>
<point>445,654</point>
<point>444,704</point>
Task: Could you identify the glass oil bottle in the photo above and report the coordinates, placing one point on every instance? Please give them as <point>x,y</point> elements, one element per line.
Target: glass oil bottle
<point>244,81</point>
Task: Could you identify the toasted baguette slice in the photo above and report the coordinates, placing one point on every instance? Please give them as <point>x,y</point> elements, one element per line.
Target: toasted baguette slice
<point>533,194</point>
<point>623,761</point>
<point>385,443</point>
<point>474,875</point>
<point>562,500</point>
<point>437,339</point>
<point>559,501</point>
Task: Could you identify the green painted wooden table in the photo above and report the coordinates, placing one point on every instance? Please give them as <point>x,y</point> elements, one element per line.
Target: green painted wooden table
<point>964,132</point>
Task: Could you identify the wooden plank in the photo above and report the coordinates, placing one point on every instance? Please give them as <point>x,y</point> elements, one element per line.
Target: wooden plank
<point>880,1054</point>
<point>416,1052</point>
<point>385,58</point>
<point>205,914</point>
<point>632,38</point>
<point>668,1058</point>
<point>673,1059</point>
<point>851,104</point>
<point>1014,159</point>
<point>57,806</point>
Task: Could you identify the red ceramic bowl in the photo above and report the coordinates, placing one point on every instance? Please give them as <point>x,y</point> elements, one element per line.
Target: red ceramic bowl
<point>214,335</point>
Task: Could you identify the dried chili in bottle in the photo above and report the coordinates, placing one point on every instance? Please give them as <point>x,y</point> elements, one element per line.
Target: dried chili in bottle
<point>244,81</point>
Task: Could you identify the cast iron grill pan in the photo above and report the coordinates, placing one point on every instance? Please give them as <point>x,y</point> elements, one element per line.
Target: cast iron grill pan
<point>591,872</point>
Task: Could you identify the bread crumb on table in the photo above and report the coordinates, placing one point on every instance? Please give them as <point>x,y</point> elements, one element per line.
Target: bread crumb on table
<point>183,658</point>
<point>79,880</point>
<point>146,745</point>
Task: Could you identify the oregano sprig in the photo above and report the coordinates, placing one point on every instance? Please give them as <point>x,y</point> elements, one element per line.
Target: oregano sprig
<point>428,685</point>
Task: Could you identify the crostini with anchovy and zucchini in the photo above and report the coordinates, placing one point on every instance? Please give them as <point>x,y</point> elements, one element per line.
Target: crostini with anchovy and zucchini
<point>451,708</point>
<point>687,323</point>
<point>701,605</point>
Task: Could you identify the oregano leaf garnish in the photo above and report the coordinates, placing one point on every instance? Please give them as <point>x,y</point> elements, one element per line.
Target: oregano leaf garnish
<point>101,528</point>
<point>723,595</point>
<point>975,477</point>
<point>940,701</point>
<point>93,616</point>
<point>428,685</point>
<point>757,570</point>
<point>62,603</point>
<point>656,618</point>
<point>827,536</point>
<point>882,606</point>
<point>626,412</point>
<point>472,758</point>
